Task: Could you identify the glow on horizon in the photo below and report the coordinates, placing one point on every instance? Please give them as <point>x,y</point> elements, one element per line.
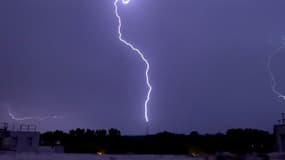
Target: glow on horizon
<point>131,46</point>
<point>273,79</point>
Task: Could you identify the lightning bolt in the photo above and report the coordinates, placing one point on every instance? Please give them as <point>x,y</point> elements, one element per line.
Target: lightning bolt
<point>39,118</point>
<point>271,74</point>
<point>140,54</point>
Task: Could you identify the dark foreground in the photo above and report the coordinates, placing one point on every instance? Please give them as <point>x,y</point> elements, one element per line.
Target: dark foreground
<point>52,156</point>
<point>239,141</point>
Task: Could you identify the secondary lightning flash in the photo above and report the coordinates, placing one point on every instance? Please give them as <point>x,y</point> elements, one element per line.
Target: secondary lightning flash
<point>271,74</point>
<point>39,118</point>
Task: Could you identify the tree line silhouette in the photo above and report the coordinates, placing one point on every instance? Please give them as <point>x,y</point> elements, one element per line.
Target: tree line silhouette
<point>111,141</point>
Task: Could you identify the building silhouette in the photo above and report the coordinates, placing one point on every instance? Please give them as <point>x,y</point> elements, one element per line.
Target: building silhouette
<point>19,138</point>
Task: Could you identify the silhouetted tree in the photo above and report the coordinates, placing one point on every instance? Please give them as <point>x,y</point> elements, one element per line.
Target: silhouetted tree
<point>91,141</point>
<point>114,132</point>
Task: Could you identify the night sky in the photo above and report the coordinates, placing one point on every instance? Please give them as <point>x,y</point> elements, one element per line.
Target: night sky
<point>208,64</point>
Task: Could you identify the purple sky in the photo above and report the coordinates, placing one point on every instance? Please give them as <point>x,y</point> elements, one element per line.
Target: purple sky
<point>208,63</point>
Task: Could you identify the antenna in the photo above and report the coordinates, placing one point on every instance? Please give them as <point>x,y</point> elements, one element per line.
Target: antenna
<point>282,120</point>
